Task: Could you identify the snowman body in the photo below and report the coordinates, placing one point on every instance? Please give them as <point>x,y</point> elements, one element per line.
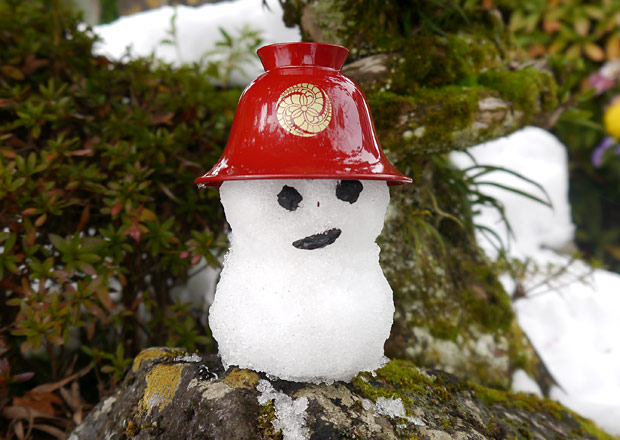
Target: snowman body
<point>302,296</point>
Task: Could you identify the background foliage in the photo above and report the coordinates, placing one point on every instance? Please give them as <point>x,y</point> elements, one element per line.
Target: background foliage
<point>577,38</point>
<point>99,216</point>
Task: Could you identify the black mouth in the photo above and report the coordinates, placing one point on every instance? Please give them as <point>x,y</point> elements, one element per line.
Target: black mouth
<point>318,241</point>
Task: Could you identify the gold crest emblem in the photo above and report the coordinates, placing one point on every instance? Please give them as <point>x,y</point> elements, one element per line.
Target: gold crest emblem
<point>304,110</point>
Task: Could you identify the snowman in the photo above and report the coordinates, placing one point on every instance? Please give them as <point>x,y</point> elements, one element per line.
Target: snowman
<point>304,185</point>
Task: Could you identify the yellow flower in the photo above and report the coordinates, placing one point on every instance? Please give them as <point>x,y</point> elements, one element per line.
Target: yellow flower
<point>612,119</point>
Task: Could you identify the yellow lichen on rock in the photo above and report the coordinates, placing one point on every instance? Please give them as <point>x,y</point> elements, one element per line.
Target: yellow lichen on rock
<point>162,383</point>
<point>241,378</point>
<point>148,354</point>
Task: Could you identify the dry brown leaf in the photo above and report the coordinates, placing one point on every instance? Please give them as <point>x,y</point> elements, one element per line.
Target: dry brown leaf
<point>84,218</point>
<point>18,429</point>
<point>594,52</point>
<point>614,251</point>
<point>23,412</point>
<point>43,402</point>
<point>551,26</point>
<point>12,72</point>
<point>51,430</point>
<point>32,63</point>
<point>72,397</point>
<point>612,47</point>
<point>49,387</point>
<point>582,26</point>
<point>77,416</point>
<point>4,102</point>
<point>162,119</point>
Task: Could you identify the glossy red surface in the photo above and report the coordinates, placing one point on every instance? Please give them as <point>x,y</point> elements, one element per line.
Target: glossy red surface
<point>302,119</point>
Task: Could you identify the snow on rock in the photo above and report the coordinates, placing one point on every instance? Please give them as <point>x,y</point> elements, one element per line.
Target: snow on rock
<point>573,319</point>
<point>290,413</point>
<point>393,407</point>
<point>142,34</point>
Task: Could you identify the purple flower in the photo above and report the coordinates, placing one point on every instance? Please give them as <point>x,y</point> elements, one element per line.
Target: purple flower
<point>606,76</point>
<point>600,83</point>
<point>599,151</point>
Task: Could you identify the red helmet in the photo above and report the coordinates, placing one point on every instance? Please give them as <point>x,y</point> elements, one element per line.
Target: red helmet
<point>302,119</point>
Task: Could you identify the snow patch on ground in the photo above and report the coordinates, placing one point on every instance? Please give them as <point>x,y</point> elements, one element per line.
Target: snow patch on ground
<point>572,317</point>
<point>141,34</point>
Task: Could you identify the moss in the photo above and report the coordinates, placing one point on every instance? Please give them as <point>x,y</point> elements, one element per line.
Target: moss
<point>386,107</point>
<point>443,113</point>
<point>443,329</point>
<point>529,89</point>
<point>423,391</point>
<point>264,423</point>
<point>241,378</point>
<point>485,298</point>
<point>431,60</point>
<point>399,379</point>
<point>590,428</point>
<point>527,402</point>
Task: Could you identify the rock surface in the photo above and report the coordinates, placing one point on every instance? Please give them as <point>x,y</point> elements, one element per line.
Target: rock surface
<point>171,394</point>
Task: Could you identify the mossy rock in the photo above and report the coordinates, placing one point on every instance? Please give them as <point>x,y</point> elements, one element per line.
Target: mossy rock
<point>187,396</point>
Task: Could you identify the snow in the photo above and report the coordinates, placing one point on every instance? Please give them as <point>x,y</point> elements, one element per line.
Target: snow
<point>571,315</point>
<point>391,407</point>
<point>523,383</point>
<point>319,313</point>
<point>572,320</point>
<point>290,413</point>
<point>197,32</point>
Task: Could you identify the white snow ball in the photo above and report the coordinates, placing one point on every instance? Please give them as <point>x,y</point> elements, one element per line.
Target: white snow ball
<point>302,296</point>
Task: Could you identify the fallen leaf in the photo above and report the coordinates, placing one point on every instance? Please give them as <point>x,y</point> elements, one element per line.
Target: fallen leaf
<point>32,64</point>
<point>51,430</point>
<point>162,119</point>
<point>84,152</point>
<point>19,430</point>
<point>116,209</point>
<point>72,396</point>
<point>22,412</point>
<point>5,102</point>
<point>43,402</point>
<point>12,72</point>
<point>84,218</point>
<point>551,26</point>
<point>49,387</point>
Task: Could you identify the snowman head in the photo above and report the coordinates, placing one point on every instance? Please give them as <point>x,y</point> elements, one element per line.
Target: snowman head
<point>305,216</point>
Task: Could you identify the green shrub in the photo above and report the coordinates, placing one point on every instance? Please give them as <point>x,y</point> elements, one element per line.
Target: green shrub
<point>99,215</point>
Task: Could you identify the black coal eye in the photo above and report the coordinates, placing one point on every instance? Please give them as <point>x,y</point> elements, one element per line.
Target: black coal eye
<point>349,190</point>
<point>289,198</point>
